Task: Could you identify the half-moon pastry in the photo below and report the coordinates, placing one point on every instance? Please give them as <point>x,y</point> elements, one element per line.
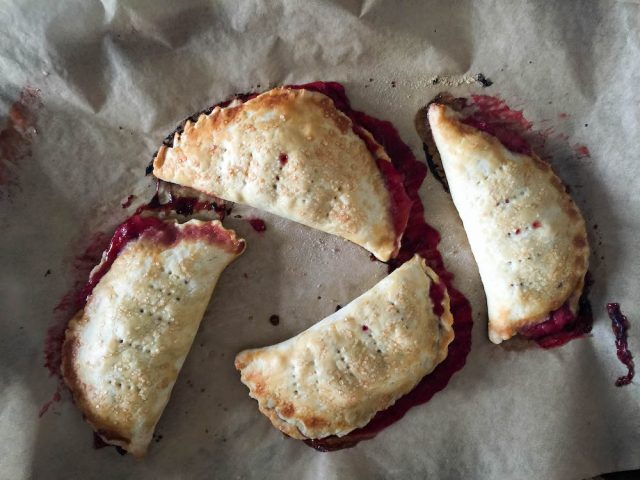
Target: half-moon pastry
<point>335,376</point>
<point>292,152</point>
<point>123,351</point>
<point>526,233</point>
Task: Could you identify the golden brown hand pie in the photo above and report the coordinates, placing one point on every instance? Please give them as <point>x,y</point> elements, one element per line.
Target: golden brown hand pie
<point>292,153</point>
<point>124,350</point>
<point>335,376</point>
<point>527,235</point>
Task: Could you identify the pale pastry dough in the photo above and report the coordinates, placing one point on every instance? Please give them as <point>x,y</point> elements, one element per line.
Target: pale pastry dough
<point>123,352</point>
<point>292,153</point>
<point>527,235</point>
<point>335,376</point>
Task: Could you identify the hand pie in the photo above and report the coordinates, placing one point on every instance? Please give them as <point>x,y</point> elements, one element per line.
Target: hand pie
<point>292,153</point>
<point>123,351</point>
<point>334,377</point>
<point>526,234</point>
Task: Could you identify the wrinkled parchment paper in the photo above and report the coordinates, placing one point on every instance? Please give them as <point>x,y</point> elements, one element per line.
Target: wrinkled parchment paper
<point>115,77</point>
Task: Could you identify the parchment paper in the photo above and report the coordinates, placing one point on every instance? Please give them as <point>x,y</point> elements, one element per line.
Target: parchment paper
<point>115,77</point>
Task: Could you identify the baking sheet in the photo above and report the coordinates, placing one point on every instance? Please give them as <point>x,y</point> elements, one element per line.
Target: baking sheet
<point>113,78</point>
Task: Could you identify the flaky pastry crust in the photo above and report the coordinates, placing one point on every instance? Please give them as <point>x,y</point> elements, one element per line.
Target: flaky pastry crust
<point>526,233</point>
<point>123,352</point>
<point>292,153</point>
<point>335,376</point>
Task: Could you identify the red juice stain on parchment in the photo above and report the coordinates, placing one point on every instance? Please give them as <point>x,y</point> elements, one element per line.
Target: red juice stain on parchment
<point>16,138</point>
<point>54,399</point>
<point>257,224</point>
<point>620,326</point>
<point>70,303</point>
<point>492,115</point>
<point>581,151</point>
<point>128,201</point>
